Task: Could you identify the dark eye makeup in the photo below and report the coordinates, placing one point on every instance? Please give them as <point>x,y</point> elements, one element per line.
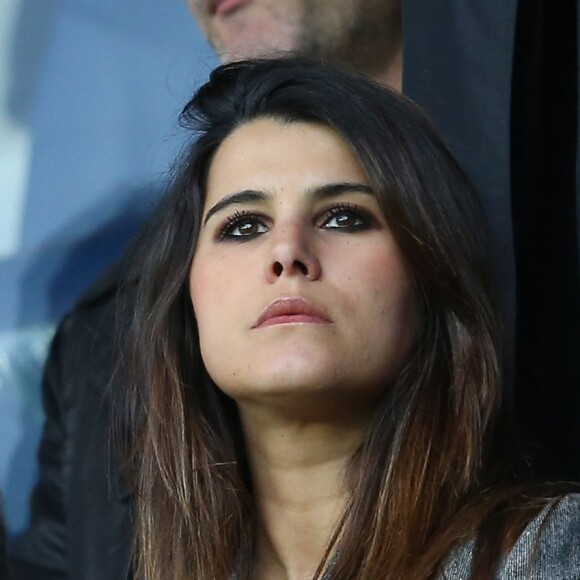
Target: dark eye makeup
<point>242,226</point>
<point>347,217</point>
<point>342,217</point>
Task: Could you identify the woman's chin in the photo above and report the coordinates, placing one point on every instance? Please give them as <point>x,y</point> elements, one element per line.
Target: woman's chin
<point>287,379</point>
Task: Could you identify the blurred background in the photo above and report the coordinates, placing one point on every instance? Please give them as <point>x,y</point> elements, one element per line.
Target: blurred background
<point>90,91</point>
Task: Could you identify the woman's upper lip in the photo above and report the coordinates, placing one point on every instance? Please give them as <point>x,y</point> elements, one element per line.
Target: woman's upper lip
<point>290,309</point>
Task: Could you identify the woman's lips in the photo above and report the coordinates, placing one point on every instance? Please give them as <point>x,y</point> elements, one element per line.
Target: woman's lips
<point>290,311</point>
<point>223,7</point>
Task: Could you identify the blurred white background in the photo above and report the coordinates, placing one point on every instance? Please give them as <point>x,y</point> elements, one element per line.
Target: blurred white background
<point>90,91</point>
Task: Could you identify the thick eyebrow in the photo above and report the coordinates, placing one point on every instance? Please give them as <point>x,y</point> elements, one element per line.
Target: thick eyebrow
<point>332,189</point>
<point>253,195</point>
<point>241,197</point>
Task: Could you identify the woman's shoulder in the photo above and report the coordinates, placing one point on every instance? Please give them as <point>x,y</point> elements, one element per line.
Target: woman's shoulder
<point>547,549</point>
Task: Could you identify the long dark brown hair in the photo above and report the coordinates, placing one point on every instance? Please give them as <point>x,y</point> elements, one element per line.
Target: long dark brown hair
<point>429,473</point>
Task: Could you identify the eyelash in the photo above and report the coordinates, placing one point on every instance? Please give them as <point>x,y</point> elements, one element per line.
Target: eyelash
<point>225,232</point>
<point>235,220</point>
<point>360,214</point>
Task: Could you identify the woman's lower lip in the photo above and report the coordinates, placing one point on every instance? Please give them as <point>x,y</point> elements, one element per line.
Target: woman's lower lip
<point>293,319</point>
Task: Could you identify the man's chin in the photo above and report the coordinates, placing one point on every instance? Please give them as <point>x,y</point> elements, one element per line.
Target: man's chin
<point>239,52</point>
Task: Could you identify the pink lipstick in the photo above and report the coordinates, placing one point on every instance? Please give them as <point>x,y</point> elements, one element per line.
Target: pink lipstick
<point>290,311</point>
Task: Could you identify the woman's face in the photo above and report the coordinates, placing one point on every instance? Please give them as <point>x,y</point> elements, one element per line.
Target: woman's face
<point>297,284</point>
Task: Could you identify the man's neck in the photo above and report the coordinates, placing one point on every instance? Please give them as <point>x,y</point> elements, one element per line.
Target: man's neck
<point>392,76</point>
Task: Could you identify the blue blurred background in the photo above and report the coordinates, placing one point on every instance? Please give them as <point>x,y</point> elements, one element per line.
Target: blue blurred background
<point>90,91</point>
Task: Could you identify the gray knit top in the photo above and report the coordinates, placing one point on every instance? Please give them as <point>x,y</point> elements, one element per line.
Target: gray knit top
<point>548,549</point>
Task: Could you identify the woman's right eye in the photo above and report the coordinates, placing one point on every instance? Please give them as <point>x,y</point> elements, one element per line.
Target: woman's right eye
<point>242,226</point>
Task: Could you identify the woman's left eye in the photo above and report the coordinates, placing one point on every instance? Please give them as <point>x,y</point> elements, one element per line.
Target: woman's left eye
<point>345,218</point>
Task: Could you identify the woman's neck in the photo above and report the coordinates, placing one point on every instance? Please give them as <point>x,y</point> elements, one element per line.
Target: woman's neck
<point>297,473</point>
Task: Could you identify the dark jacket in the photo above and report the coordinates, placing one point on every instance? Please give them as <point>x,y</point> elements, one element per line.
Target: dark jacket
<point>3,565</point>
<point>499,79</point>
<point>81,518</point>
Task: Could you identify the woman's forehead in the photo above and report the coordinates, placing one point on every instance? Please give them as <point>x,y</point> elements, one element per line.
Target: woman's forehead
<point>272,155</point>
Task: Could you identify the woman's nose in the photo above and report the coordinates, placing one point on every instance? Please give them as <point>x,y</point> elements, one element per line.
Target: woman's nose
<point>292,254</point>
